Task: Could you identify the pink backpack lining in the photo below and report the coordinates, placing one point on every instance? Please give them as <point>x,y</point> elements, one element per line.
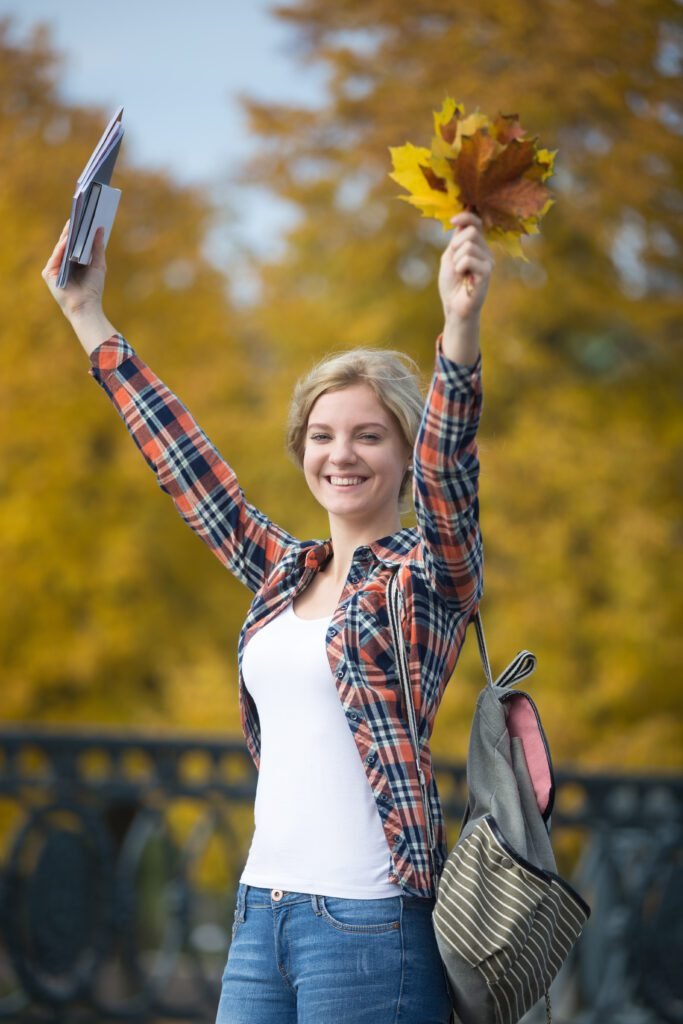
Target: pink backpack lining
<point>522,722</point>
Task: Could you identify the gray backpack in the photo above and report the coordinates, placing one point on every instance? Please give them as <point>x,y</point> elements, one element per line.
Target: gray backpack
<point>504,920</point>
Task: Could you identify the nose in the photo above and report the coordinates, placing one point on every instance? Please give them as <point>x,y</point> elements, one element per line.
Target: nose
<point>343,453</point>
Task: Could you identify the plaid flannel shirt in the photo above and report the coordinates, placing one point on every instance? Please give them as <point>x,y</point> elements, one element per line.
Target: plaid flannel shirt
<point>439,564</point>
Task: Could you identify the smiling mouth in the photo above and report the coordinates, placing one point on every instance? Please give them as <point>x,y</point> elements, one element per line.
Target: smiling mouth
<point>346,486</point>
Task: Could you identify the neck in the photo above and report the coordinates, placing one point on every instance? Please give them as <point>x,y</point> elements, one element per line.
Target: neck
<point>346,537</point>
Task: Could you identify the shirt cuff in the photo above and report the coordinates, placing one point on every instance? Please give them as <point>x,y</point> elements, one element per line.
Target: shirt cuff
<point>109,355</point>
<point>458,376</point>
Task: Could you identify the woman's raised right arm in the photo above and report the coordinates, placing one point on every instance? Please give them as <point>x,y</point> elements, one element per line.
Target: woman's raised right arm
<point>187,466</point>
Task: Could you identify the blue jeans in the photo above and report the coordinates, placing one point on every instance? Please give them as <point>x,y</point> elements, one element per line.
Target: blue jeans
<point>299,958</point>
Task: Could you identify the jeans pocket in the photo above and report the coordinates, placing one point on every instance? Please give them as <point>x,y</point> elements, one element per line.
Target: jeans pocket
<point>369,917</point>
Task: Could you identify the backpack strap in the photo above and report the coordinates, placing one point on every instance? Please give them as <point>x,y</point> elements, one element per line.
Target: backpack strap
<point>394,610</point>
<point>521,666</point>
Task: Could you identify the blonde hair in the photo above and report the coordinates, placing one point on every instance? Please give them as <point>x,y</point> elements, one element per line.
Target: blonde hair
<point>393,376</point>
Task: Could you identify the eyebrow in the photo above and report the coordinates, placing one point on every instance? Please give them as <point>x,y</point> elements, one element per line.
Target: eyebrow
<point>358,426</point>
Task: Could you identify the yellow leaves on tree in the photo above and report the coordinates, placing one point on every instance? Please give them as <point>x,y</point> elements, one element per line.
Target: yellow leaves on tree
<point>489,167</point>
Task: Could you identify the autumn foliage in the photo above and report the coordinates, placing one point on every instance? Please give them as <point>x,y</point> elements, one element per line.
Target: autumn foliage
<point>113,611</point>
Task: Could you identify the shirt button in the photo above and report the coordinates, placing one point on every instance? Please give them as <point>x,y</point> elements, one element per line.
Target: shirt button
<point>340,671</point>
<point>353,716</point>
<point>332,631</point>
<point>371,759</point>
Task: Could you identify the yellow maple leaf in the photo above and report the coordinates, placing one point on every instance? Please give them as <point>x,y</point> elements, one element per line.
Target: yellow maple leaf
<point>412,170</point>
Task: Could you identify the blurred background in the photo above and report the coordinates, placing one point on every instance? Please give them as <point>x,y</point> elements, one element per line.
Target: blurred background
<point>258,230</point>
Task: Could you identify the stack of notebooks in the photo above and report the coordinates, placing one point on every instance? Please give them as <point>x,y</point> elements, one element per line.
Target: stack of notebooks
<point>95,202</point>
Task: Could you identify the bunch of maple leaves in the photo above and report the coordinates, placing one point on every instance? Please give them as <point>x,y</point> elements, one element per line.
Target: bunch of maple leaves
<point>489,167</point>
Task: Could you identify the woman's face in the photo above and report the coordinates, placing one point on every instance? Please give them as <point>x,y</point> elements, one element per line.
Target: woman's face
<point>355,456</point>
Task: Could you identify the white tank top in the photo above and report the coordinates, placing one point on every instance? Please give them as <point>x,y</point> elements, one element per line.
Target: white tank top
<point>317,827</point>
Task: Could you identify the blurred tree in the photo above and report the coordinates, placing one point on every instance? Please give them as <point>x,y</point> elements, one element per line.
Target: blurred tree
<point>113,615</point>
<point>581,345</point>
<point>108,611</point>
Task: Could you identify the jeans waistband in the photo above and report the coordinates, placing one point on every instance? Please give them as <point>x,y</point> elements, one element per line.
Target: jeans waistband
<point>257,896</point>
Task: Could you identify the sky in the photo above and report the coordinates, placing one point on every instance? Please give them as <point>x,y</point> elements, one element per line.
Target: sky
<point>178,68</point>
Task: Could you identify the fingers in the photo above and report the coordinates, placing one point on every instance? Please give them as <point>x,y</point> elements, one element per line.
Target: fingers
<point>472,243</point>
<point>466,218</point>
<point>466,231</point>
<point>469,247</point>
<point>469,232</point>
<point>471,265</point>
<point>51,268</point>
<point>98,250</point>
<point>467,242</point>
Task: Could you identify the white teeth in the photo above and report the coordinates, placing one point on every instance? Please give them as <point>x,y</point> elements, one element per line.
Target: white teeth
<point>346,481</point>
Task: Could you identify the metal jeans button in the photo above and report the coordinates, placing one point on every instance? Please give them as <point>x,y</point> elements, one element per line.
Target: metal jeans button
<point>277,894</point>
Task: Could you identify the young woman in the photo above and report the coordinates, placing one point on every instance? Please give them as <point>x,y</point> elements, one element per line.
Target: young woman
<point>333,911</point>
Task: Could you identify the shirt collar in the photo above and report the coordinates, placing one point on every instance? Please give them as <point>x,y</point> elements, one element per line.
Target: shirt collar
<point>389,550</point>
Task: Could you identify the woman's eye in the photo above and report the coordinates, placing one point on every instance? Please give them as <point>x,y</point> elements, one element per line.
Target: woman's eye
<point>365,437</point>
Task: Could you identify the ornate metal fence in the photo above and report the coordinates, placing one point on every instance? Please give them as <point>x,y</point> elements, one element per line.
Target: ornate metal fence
<point>121,856</point>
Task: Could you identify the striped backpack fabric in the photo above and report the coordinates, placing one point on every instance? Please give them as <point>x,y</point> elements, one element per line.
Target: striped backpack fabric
<point>504,920</point>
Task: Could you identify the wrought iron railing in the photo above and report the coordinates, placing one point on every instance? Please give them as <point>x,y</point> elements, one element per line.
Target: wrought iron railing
<point>121,855</point>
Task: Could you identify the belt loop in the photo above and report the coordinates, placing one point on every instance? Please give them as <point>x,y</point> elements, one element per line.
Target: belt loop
<point>315,900</point>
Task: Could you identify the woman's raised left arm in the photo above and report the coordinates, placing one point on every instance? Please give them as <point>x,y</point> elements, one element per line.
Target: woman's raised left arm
<point>445,458</point>
<point>466,265</point>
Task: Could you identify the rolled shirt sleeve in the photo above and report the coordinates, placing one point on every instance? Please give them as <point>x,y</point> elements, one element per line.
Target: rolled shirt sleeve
<point>445,481</point>
<point>187,466</point>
